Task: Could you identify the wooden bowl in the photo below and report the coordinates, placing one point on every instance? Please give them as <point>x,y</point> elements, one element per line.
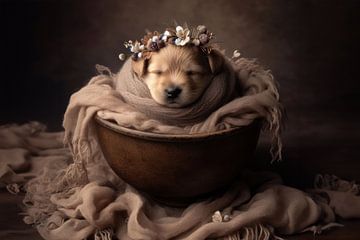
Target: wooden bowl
<point>177,169</point>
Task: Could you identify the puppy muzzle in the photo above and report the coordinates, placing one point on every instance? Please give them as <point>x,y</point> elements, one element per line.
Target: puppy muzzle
<point>172,93</point>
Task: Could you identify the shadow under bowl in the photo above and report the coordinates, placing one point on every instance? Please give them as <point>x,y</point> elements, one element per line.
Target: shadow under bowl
<point>177,169</point>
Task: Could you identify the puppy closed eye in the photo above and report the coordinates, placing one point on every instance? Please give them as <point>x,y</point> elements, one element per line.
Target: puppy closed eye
<point>157,72</point>
<point>192,73</point>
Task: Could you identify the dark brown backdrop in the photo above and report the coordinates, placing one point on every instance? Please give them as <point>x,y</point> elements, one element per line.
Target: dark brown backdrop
<point>49,49</point>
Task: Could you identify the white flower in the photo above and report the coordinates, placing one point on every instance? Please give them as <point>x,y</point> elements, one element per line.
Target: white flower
<point>179,30</point>
<point>181,42</point>
<point>216,217</point>
<point>236,54</point>
<point>155,38</point>
<point>183,36</point>
<point>122,56</point>
<point>165,36</point>
<point>136,47</point>
<point>128,44</point>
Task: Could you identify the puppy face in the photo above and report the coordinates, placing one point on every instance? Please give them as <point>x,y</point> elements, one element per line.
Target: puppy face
<point>177,76</point>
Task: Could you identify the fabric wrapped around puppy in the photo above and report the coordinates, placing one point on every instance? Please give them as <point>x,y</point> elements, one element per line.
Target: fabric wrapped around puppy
<point>240,93</point>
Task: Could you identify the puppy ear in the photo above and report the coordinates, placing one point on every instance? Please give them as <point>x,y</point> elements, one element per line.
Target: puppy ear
<point>139,66</point>
<point>216,61</point>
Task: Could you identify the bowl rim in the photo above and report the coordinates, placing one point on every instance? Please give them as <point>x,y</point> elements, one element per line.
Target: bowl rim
<point>174,137</point>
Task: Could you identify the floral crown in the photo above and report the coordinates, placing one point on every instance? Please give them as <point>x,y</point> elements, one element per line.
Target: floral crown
<point>179,36</point>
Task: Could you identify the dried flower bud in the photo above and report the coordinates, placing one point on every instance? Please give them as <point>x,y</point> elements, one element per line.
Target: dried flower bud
<point>152,46</point>
<point>201,29</point>
<point>135,57</point>
<point>203,38</point>
<point>196,42</point>
<point>226,218</point>
<point>161,44</point>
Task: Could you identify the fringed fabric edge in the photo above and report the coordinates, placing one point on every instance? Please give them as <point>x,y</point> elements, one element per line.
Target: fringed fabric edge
<point>256,232</point>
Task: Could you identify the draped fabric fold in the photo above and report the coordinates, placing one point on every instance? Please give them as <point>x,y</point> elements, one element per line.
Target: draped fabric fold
<point>125,99</point>
<point>74,194</point>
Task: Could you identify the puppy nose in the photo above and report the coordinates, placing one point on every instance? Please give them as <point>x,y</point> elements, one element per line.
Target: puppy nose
<point>172,92</point>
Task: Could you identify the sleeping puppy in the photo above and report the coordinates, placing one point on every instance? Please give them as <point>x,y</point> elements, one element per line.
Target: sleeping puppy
<point>178,76</point>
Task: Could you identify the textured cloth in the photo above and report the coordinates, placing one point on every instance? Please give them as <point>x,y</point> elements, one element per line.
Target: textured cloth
<point>222,89</point>
<point>25,149</point>
<point>79,196</point>
<point>125,99</point>
<point>106,207</point>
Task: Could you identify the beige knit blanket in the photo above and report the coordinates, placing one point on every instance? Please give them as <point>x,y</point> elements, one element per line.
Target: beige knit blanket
<point>76,196</point>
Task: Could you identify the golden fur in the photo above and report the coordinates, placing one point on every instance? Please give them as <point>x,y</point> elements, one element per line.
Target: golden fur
<point>186,69</point>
